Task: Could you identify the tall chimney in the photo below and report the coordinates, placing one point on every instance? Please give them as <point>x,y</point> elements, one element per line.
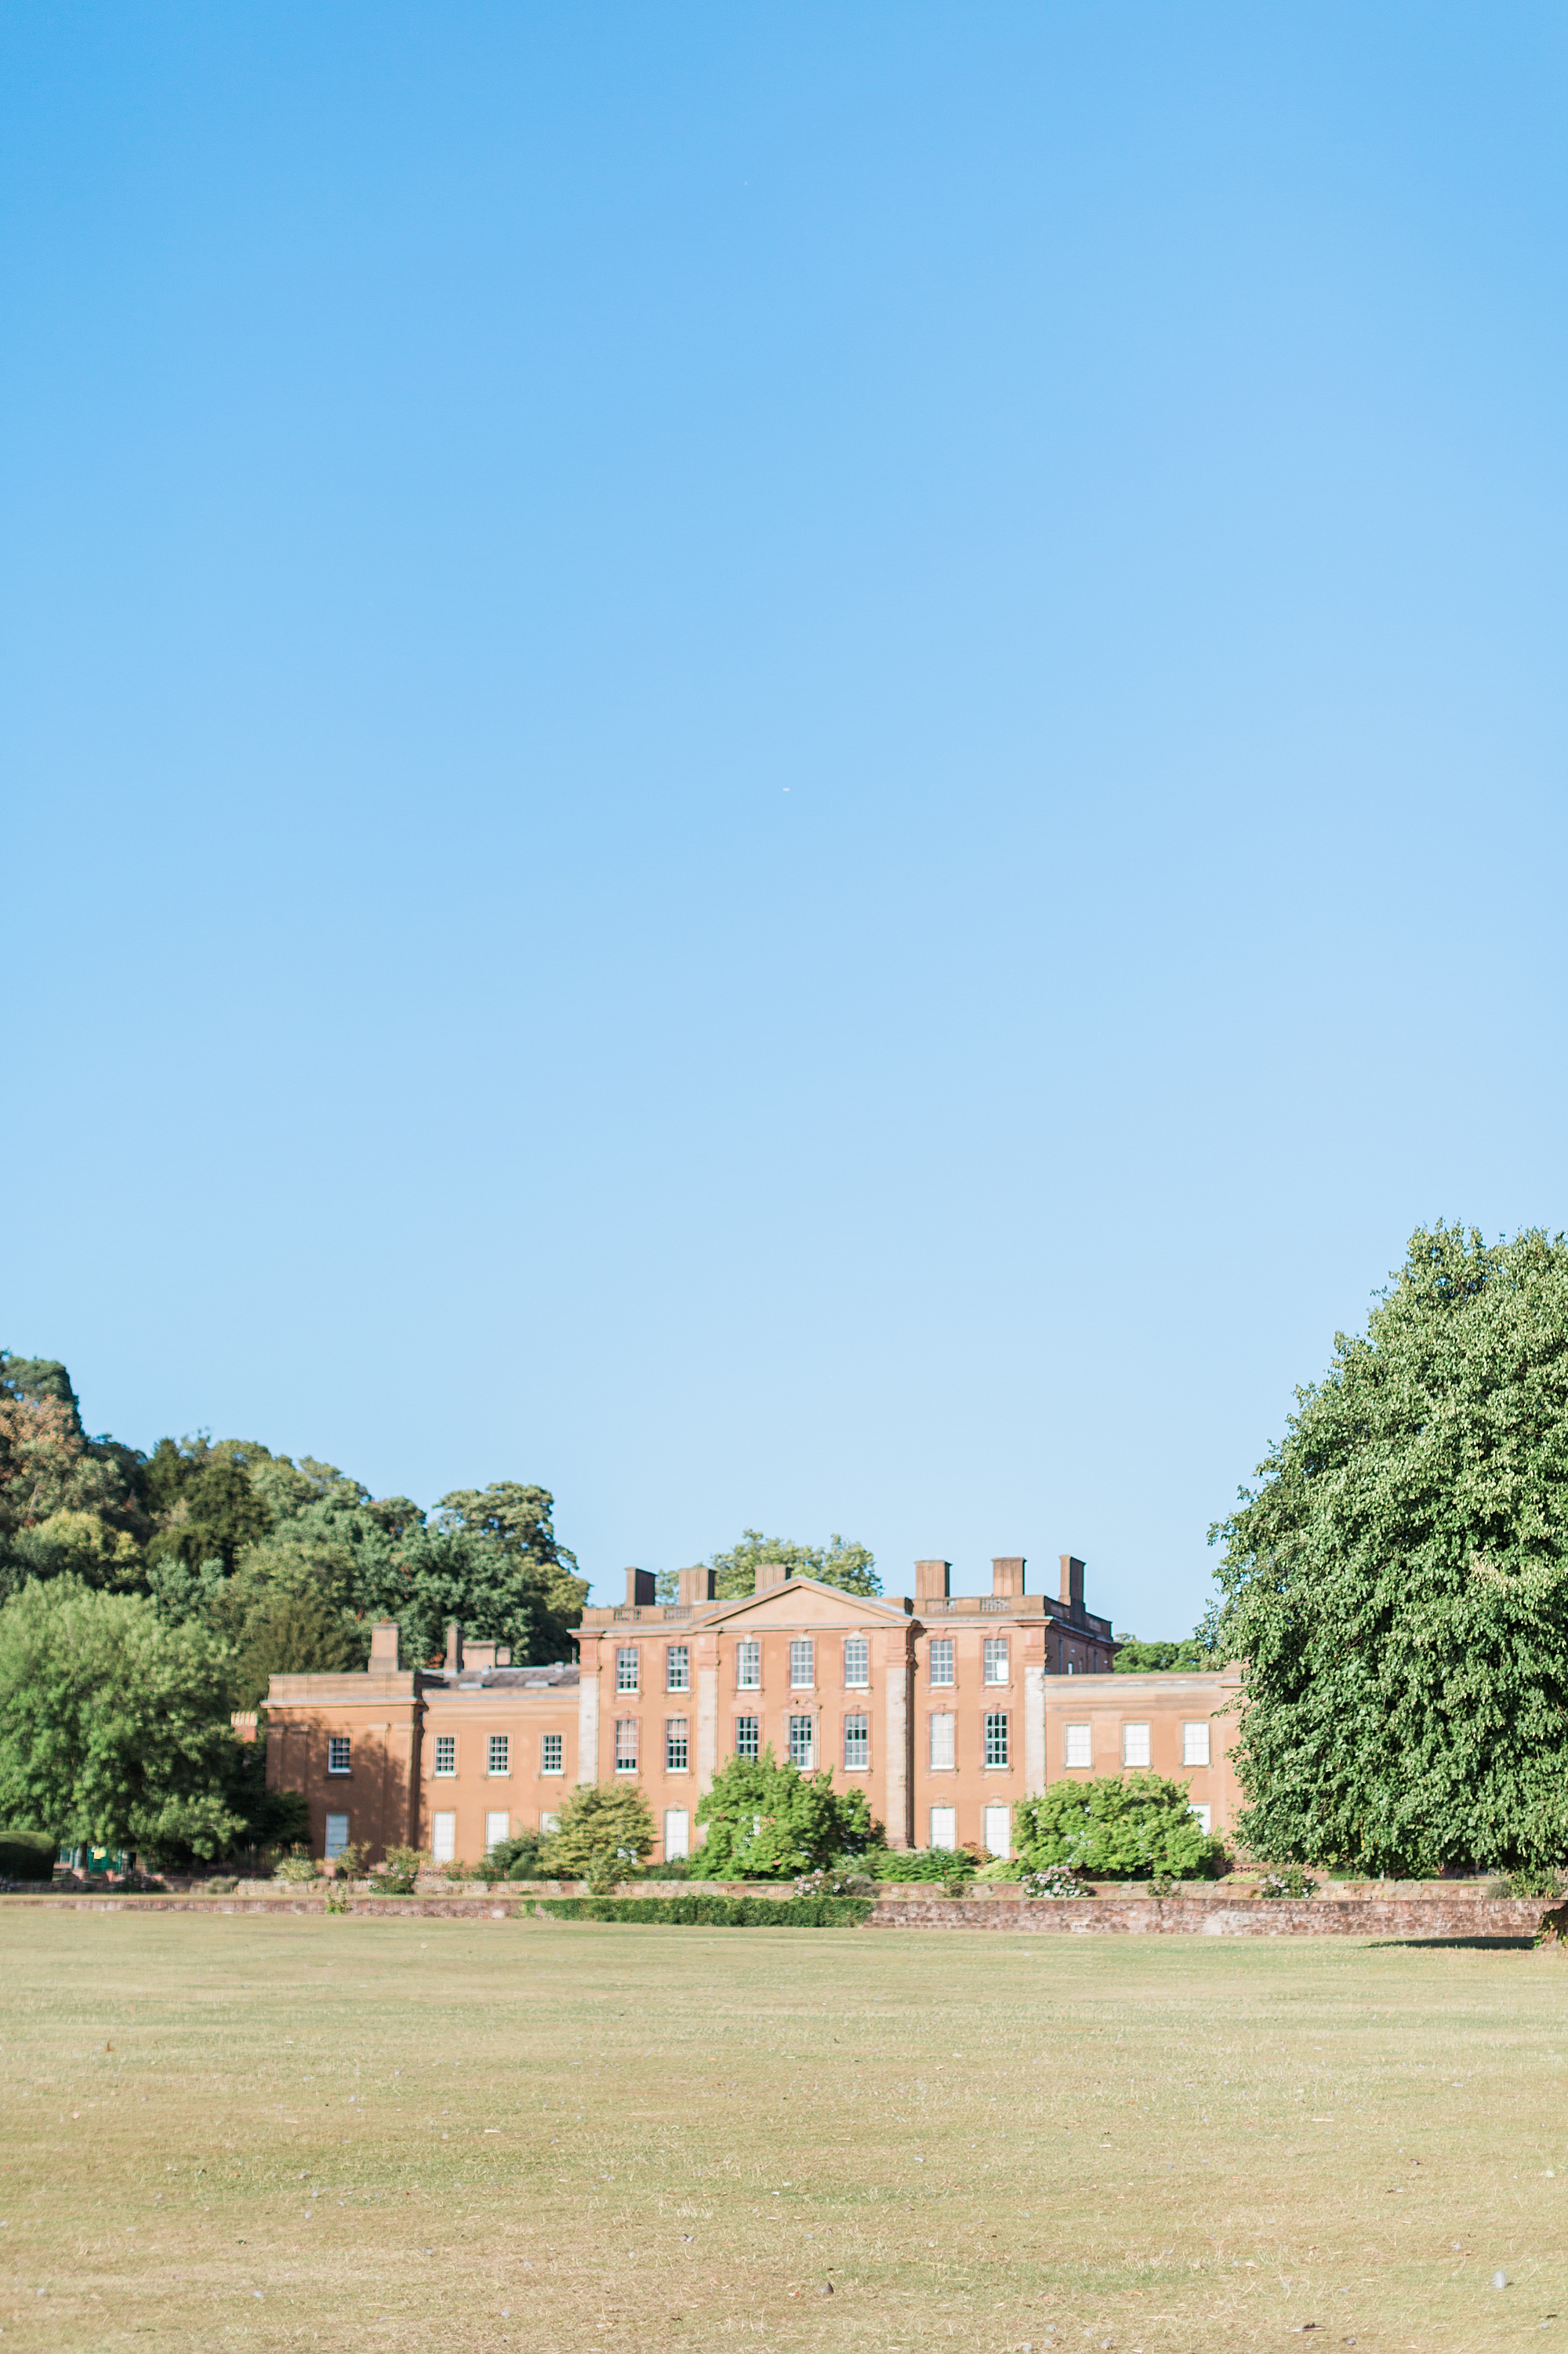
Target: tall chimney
<point>1072,1585</point>
<point>640,1588</point>
<point>770,1573</point>
<point>384,1647</point>
<point>697,1584</point>
<point>931,1580</point>
<point>454,1647</point>
<point>1007,1573</point>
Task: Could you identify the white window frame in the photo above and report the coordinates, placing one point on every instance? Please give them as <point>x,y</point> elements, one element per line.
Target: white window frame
<point>677,1833</point>
<point>336,1834</point>
<point>1195,1741</point>
<point>498,1747</point>
<point>626,1668</point>
<point>997,1823</point>
<point>857,1663</point>
<point>493,1836</point>
<point>802,1654</point>
<point>626,1740</point>
<point>944,1828</point>
<point>997,1739</point>
<point>1205,1819</point>
<point>860,1739</point>
<point>552,1744</point>
<point>1135,1736</point>
<point>548,1822</point>
<point>443,1838</point>
<point>995,1655</point>
<point>340,1753</point>
<point>748,1664</point>
<point>678,1667</point>
<point>940,1652</point>
<point>803,1743</point>
<point>754,1724</point>
<point>677,1737</point>
<point>445,1768</point>
<point>942,1742</point>
<point>1077,1746</point>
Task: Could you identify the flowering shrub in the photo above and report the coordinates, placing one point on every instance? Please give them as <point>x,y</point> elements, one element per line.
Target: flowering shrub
<point>1292,1882</point>
<point>1055,1880</point>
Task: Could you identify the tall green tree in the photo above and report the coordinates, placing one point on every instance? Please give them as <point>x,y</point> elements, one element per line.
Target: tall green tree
<point>765,1821</point>
<point>114,1725</point>
<point>1397,1581</point>
<point>515,1523</point>
<point>841,1563</point>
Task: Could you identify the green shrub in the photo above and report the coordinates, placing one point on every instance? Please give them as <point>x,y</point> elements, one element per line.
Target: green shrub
<point>1116,1827</point>
<point>715,1912</point>
<point>401,1874</point>
<point>954,1867</point>
<point>767,1821</point>
<point>299,1864</point>
<point>27,1855</point>
<point>605,1830</point>
<point>517,1858</point>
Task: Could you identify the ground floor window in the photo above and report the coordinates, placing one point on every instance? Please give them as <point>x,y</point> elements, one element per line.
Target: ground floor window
<point>748,1736</point>
<point>626,1745</point>
<point>548,1823</point>
<point>995,1738</point>
<point>1195,1744</point>
<point>496,1828</point>
<point>857,1743</point>
<point>551,1758</point>
<point>677,1833</point>
<point>443,1838</point>
<point>1078,1744</point>
<point>942,1752</point>
<point>336,1834</point>
<point>1204,1819</point>
<point>804,1743</point>
<point>998,1831</point>
<point>945,1826</point>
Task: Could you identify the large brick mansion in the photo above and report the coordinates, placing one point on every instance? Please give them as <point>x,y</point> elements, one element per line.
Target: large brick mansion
<point>944,1709</point>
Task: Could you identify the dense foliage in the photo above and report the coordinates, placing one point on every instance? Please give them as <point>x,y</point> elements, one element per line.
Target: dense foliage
<point>604,1832</point>
<point>284,1564</point>
<point>768,1821</point>
<point>1116,1827</point>
<point>703,1912</point>
<point>1397,1582</point>
<point>1136,1659</point>
<point>841,1563</point>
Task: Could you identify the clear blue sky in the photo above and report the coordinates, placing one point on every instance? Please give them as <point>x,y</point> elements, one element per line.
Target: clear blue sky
<point>798,765</point>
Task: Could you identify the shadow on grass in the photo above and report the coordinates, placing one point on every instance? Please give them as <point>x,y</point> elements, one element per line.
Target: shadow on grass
<point>1454,1945</point>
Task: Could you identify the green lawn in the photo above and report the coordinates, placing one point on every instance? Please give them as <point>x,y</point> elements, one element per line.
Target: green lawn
<point>475,2135</point>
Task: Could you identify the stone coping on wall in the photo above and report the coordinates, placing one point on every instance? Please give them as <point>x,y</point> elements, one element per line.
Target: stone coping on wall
<point>1429,1916</point>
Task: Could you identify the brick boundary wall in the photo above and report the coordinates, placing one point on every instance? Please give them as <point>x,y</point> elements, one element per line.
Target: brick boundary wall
<point>1218,1916</point>
<point>1211,1917</point>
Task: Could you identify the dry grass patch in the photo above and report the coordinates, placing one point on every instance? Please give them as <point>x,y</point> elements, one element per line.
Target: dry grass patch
<point>423,2134</point>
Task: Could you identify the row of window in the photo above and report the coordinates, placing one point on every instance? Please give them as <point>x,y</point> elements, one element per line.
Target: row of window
<point>1078,1744</point>
<point>856,1664</point>
<point>497,1753</point>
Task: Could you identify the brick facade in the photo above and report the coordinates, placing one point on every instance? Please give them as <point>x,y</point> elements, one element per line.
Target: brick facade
<point>945,1710</point>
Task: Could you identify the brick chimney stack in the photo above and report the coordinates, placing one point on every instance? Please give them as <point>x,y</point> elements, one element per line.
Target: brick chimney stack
<point>454,1648</point>
<point>931,1580</point>
<point>640,1588</point>
<point>770,1573</point>
<point>697,1584</point>
<point>384,1647</point>
<point>1006,1573</point>
<point>1072,1585</point>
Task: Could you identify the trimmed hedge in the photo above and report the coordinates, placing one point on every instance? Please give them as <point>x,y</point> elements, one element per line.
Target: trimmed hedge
<point>716,1912</point>
<point>25,1855</point>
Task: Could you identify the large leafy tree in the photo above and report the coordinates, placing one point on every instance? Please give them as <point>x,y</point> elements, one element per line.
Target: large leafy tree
<point>1114,1826</point>
<point>765,1821</point>
<point>841,1563</point>
<point>514,1525</point>
<point>1397,1582</point>
<point>67,1502</point>
<point>113,1724</point>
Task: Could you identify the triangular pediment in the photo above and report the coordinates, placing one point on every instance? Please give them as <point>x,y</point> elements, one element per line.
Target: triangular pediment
<point>805,1602</point>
